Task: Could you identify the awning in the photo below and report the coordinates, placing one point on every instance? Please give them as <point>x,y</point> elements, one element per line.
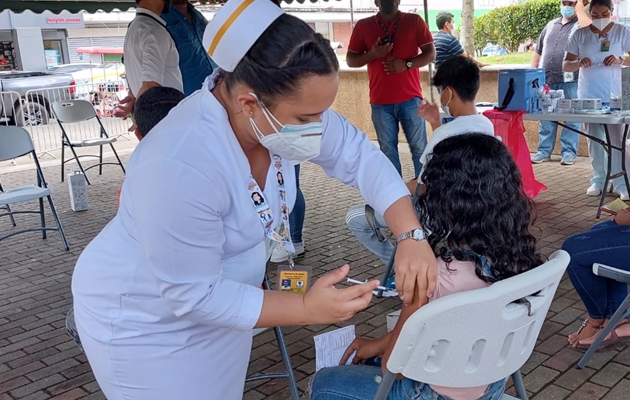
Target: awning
<point>91,6</point>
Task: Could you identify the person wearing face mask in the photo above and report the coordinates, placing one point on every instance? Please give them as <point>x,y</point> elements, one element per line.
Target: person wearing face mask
<point>150,55</point>
<point>186,24</point>
<point>599,52</point>
<point>166,296</point>
<point>446,44</point>
<point>549,54</point>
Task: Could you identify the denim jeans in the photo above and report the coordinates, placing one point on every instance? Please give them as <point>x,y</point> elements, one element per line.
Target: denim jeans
<point>358,224</point>
<point>547,133</point>
<point>598,156</point>
<point>296,217</point>
<point>360,382</point>
<point>387,118</point>
<point>606,243</point>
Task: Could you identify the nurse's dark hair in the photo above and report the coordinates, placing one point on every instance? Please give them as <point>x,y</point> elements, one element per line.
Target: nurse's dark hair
<point>605,3</point>
<point>474,199</point>
<point>285,54</point>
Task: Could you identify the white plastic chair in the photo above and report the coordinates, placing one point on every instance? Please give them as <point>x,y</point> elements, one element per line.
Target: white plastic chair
<point>477,337</point>
<point>622,312</point>
<point>74,111</point>
<point>16,142</point>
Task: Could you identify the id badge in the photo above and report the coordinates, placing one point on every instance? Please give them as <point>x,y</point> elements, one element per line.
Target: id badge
<point>294,280</point>
<point>605,47</point>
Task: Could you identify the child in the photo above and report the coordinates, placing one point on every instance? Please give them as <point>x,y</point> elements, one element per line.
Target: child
<point>479,219</point>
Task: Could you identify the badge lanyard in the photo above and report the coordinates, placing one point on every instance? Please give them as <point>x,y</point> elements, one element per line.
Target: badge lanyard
<point>386,31</point>
<point>282,234</point>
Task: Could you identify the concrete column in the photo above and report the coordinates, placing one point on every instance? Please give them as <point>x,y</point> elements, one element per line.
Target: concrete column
<point>29,49</point>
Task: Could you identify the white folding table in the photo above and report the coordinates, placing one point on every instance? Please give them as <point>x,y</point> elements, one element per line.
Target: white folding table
<point>560,119</point>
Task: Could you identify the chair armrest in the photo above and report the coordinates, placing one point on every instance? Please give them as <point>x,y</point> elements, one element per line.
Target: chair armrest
<point>609,272</point>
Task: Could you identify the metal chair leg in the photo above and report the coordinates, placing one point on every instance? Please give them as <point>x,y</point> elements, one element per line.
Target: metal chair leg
<point>42,217</point>
<point>59,226</point>
<point>76,157</point>
<point>519,385</point>
<point>385,386</point>
<point>286,360</point>
<point>118,158</point>
<point>622,312</point>
<point>8,208</point>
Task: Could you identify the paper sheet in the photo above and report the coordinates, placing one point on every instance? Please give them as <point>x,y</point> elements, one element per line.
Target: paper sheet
<point>330,346</point>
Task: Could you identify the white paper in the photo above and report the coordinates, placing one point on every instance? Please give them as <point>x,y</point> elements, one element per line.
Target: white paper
<point>330,346</point>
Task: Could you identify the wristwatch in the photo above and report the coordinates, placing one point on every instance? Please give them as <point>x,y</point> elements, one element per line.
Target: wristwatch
<point>416,234</point>
<point>409,63</point>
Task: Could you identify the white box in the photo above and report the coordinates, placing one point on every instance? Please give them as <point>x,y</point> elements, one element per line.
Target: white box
<point>577,104</point>
<point>392,318</point>
<point>564,104</point>
<point>78,191</point>
<point>592,104</point>
<point>615,104</point>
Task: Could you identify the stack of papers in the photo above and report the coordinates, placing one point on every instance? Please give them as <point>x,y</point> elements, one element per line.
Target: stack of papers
<point>330,346</point>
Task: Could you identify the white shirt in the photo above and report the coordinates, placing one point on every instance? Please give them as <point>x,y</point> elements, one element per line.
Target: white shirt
<point>150,53</point>
<point>477,123</point>
<point>186,251</point>
<point>598,81</point>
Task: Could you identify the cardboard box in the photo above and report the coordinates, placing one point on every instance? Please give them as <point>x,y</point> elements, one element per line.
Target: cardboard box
<point>78,191</point>
<point>392,318</point>
<point>592,104</point>
<point>564,104</point>
<point>577,104</point>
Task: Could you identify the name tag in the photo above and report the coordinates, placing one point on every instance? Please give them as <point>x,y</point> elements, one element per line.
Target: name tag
<point>605,47</point>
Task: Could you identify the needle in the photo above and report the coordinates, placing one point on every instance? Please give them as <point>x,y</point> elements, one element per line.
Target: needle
<point>350,280</point>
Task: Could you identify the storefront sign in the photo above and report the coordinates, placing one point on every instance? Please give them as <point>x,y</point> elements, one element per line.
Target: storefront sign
<point>63,20</point>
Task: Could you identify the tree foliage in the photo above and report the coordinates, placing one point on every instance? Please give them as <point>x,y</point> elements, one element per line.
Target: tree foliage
<point>512,25</point>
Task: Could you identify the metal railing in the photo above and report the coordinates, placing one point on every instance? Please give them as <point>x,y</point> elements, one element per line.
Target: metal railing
<point>34,112</point>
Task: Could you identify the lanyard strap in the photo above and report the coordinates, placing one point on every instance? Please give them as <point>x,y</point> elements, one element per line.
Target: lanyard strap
<point>386,31</point>
<point>282,233</point>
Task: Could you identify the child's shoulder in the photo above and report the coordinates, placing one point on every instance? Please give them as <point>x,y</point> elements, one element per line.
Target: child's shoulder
<point>457,276</point>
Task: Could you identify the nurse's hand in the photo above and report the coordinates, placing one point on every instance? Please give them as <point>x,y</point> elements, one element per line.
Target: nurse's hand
<point>325,304</point>
<point>586,62</point>
<point>612,60</point>
<point>415,266</point>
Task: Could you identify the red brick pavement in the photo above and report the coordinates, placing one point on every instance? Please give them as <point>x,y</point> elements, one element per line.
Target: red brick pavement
<point>39,361</point>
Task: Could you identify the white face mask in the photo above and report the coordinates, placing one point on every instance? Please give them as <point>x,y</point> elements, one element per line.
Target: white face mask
<point>445,109</point>
<point>294,143</point>
<point>601,24</point>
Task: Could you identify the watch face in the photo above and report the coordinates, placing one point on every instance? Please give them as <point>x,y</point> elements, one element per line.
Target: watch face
<point>418,234</point>
<point>409,64</point>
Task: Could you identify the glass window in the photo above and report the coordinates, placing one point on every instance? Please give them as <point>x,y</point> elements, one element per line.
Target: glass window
<point>52,51</point>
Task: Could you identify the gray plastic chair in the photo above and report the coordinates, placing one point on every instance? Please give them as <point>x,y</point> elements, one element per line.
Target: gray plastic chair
<point>16,142</point>
<point>8,208</point>
<point>622,312</point>
<point>476,337</point>
<point>74,111</point>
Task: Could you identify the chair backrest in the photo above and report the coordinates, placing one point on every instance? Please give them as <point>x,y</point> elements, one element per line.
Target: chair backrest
<point>480,336</point>
<point>69,111</point>
<point>14,142</point>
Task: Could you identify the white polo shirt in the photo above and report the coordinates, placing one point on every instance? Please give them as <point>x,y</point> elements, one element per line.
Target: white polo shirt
<point>150,53</point>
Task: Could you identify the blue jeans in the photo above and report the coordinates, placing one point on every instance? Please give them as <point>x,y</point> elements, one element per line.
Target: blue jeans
<point>387,118</point>
<point>360,382</point>
<point>548,130</point>
<point>296,217</point>
<point>606,243</point>
<point>599,159</point>
<point>358,224</point>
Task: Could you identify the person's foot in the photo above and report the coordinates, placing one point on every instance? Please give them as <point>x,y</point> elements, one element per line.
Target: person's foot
<point>589,328</point>
<point>280,253</point>
<point>620,334</point>
<point>568,159</point>
<point>540,158</point>
<point>594,190</point>
<point>623,195</point>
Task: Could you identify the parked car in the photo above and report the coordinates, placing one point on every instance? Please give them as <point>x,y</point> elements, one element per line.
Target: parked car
<point>493,50</point>
<point>70,68</point>
<point>45,87</point>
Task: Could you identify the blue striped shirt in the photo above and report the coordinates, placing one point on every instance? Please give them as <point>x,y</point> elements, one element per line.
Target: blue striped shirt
<point>446,46</point>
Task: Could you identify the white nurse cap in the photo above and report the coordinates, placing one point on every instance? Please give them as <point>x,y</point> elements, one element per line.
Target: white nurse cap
<point>235,29</point>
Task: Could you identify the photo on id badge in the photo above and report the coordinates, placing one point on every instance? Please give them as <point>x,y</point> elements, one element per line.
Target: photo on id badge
<point>605,47</point>
<point>294,279</point>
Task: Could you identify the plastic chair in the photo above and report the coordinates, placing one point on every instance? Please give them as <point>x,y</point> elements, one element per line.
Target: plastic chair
<point>622,312</point>
<point>8,208</point>
<point>16,142</point>
<point>284,354</point>
<point>477,337</point>
<point>74,111</point>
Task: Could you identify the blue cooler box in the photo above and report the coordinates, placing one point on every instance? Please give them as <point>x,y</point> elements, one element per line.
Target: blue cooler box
<point>525,83</point>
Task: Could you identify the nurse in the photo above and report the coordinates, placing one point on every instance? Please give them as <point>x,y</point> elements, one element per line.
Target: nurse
<point>167,295</point>
<point>599,52</point>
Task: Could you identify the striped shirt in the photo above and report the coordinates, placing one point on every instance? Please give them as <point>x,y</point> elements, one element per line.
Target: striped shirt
<point>446,46</point>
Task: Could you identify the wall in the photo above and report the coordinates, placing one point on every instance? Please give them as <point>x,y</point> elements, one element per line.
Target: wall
<point>353,102</point>
<point>341,33</point>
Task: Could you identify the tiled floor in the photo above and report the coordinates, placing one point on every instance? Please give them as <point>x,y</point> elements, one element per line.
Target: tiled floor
<point>39,361</point>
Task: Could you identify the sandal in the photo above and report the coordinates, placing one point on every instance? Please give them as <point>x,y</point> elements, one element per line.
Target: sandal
<point>614,338</point>
<point>584,325</point>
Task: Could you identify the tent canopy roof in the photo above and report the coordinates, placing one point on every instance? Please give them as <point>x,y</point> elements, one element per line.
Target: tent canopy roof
<point>56,6</point>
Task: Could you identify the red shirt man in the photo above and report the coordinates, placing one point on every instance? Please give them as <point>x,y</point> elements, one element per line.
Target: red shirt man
<point>394,45</point>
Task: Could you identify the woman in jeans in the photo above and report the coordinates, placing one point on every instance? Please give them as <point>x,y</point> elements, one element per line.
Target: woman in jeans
<point>606,243</point>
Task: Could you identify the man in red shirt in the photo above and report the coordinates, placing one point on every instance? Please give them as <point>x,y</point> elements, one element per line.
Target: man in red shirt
<point>388,44</point>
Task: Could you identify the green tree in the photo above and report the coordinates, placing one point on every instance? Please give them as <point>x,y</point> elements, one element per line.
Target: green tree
<point>512,25</point>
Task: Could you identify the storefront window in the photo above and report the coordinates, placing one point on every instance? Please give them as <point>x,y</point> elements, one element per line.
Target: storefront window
<point>52,50</point>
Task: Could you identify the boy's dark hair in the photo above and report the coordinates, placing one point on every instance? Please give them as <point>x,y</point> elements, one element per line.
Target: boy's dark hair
<point>154,105</point>
<point>461,74</point>
<point>443,18</point>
